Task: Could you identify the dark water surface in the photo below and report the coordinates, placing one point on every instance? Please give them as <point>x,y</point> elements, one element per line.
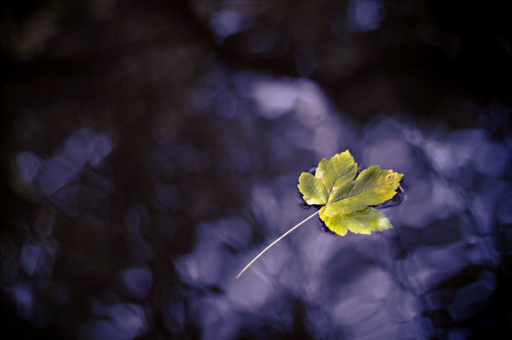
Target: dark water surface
<point>152,149</point>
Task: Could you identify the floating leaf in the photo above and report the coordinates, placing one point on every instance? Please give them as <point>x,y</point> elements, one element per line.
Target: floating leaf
<point>346,200</point>
<point>363,222</point>
<point>329,176</point>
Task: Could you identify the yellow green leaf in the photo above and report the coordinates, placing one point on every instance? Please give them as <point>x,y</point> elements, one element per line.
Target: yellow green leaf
<point>361,222</point>
<point>373,186</point>
<point>329,177</point>
<point>312,189</point>
<point>337,171</point>
<point>346,200</point>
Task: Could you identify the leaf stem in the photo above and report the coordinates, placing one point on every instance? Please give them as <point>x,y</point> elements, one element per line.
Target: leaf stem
<point>279,239</point>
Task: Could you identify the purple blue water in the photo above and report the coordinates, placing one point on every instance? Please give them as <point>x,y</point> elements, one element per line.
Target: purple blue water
<point>151,150</point>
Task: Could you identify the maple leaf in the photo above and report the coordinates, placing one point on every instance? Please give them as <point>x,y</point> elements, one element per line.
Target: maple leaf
<point>345,199</point>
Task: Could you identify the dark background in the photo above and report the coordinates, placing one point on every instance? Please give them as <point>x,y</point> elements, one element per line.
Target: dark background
<point>151,149</point>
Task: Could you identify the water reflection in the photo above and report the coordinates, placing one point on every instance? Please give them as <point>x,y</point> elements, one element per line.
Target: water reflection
<point>130,221</point>
<point>370,285</point>
<point>226,22</point>
<point>365,15</point>
<point>124,321</point>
